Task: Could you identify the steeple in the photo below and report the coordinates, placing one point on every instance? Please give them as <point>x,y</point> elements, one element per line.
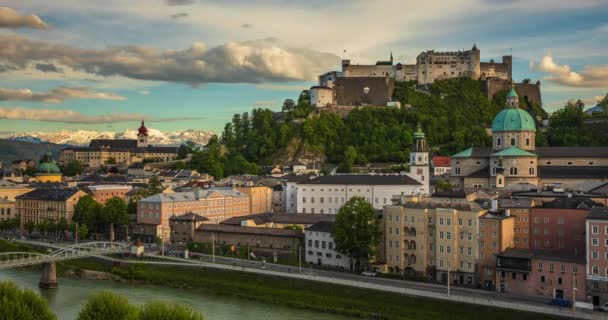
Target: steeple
<point>419,139</point>
<point>512,98</point>
<point>391,57</point>
<point>142,136</point>
<point>474,47</point>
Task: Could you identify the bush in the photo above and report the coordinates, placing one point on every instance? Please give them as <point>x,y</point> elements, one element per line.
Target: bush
<point>22,304</point>
<point>106,306</point>
<point>168,311</point>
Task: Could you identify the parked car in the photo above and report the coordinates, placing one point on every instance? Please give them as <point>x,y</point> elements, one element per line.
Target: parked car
<point>561,303</point>
<point>604,307</point>
<point>368,273</point>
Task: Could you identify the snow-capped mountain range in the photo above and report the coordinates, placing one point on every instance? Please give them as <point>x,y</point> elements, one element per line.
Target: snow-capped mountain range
<point>82,137</point>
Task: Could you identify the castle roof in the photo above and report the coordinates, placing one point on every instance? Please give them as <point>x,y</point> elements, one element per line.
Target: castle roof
<point>513,152</point>
<point>474,152</point>
<point>513,119</point>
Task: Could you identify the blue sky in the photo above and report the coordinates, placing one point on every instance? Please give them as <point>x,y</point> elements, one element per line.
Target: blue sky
<point>192,64</point>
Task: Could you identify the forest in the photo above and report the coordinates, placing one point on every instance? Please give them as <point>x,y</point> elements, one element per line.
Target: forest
<point>453,113</point>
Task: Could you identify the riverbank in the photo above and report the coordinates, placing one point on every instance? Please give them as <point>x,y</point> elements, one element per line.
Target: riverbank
<point>344,300</point>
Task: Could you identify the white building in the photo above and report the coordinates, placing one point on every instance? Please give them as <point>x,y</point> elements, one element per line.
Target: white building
<point>321,249</point>
<point>327,194</point>
<point>321,96</point>
<point>290,190</point>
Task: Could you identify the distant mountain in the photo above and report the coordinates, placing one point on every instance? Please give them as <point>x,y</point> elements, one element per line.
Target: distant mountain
<point>596,108</point>
<point>82,137</point>
<point>13,150</point>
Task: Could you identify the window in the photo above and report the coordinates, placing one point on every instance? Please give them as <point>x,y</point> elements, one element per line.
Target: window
<point>563,268</point>
<point>459,221</point>
<point>594,242</point>
<point>542,279</point>
<point>594,230</point>
<point>595,255</point>
<point>470,223</point>
<point>531,171</point>
<point>559,280</point>
<point>440,221</point>
<point>448,235</point>
<point>512,141</point>
<point>498,142</point>
<point>540,266</point>
<point>457,171</point>
<point>551,267</point>
<point>470,251</point>
<point>595,270</point>
<point>574,269</point>
<point>316,243</point>
<point>513,171</point>
<point>309,242</point>
<point>448,221</point>
<point>527,141</point>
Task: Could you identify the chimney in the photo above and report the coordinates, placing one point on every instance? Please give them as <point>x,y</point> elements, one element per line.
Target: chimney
<point>494,204</point>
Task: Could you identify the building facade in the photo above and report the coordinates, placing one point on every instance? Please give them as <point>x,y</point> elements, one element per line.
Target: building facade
<point>214,204</point>
<point>48,204</point>
<point>321,248</point>
<point>120,151</point>
<point>597,255</point>
<point>536,273</point>
<point>103,192</point>
<point>496,234</point>
<point>260,198</point>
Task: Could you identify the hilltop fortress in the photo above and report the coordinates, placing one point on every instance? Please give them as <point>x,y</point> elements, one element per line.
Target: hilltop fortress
<point>372,85</point>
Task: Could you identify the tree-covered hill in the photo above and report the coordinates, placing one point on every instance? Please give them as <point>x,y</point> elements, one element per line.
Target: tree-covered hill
<point>455,114</point>
<point>13,150</point>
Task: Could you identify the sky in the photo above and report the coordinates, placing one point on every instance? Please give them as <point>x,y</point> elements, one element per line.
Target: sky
<point>192,64</point>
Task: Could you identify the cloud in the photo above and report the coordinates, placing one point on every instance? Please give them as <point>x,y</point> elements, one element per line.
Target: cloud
<point>590,76</point>
<point>179,2</point>
<point>246,26</point>
<point>70,116</point>
<point>282,87</point>
<point>256,61</point>
<point>179,15</point>
<point>10,18</point>
<point>144,92</point>
<point>262,103</point>
<point>48,67</point>
<point>56,95</point>
<point>593,101</point>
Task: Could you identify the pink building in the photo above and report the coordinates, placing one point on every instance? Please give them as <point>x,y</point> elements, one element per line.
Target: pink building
<point>597,255</point>
<point>217,205</point>
<point>540,273</point>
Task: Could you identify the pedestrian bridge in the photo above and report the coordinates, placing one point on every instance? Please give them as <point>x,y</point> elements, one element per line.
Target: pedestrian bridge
<point>10,260</point>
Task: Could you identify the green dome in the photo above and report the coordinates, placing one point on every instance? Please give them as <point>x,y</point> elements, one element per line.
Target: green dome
<point>513,119</point>
<point>418,134</point>
<point>48,165</point>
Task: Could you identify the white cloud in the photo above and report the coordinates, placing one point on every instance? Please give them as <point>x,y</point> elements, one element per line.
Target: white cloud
<point>249,61</point>
<point>10,18</point>
<point>71,116</point>
<point>56,95</point>
<point>590,76</point>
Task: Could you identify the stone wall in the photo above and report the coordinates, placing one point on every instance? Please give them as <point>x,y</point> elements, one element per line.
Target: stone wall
<point>527,92</point>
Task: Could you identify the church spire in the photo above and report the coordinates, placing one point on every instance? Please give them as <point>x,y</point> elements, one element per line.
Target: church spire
<point>391,57</point>
<point>512,98</point>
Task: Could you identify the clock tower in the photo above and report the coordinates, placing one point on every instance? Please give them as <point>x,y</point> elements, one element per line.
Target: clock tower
<point>419,161</point>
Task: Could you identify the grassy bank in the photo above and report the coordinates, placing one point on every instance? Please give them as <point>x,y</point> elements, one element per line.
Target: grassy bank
<point>307,294</point>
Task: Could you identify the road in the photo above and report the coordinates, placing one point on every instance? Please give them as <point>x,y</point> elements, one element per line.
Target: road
<point>460,294</point>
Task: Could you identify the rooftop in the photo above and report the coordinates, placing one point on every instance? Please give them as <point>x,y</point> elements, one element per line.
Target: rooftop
<point>474,152</point>
<point>573,172</point>
<point>439,161</point>
<point>53,194</point>
<point>572,152</point>
<point>363,179</point>
<point>470,206</point>
<point>283,218</point>
<point>189,216</point>
<point>249,230</point>
<point>582,203</point>
<point>598,213</point>
<point>322,226</point>
<point>513,152</point>
<point>542,255</point>
<point>192,195</point>
<point>515,203</point>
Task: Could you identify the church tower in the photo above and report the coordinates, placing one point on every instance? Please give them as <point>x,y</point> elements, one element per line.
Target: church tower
<point>500,174</point>
<point>142,136</point>
<point>419,160</point>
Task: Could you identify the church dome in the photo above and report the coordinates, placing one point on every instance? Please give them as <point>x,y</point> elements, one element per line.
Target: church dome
<point>513,119</point>
<point>48,165</point>
<point>142,130</point>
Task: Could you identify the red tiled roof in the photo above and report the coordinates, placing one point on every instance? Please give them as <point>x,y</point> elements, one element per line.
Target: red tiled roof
<point>441,161</point>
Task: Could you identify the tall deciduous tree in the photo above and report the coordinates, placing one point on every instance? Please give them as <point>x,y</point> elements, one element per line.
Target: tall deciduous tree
<point>356,231</point>
<point>84,210</point>
<point>115,211</point>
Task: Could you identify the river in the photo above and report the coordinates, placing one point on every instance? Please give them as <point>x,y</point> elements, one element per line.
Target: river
<point>67,300</point>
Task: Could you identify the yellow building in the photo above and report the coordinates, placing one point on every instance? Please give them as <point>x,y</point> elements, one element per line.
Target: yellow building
<point>50,204</point>
<point>260,198</point>
<point>48,170</point>
<point>429,238</point>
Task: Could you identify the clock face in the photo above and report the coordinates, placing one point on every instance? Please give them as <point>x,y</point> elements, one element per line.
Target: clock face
<point>366,90</point>
<point>419,171</point>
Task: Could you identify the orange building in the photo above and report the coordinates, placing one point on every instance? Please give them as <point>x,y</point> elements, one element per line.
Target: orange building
<point>104,192</point>
<point>496,234</point>
<point>520,209</point>
<point>216,204</point>
<point>260,198</point>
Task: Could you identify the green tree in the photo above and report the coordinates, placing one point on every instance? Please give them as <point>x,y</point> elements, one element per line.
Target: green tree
<point>356,231</point>
<point>22,304</point>
<point>179,165</point>
<point>288,105</point>
<point>154,185</point>
<point>85,210</point>
<point>83,231</point>
<point>168,311</point>
<point>111,160</point>
<point>73,168</point>
<point>444,185</point>
<point>30,226</point>
<point>115,211</point>
<point>106,306</point>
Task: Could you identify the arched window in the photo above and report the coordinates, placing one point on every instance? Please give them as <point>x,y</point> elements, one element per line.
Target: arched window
<point>498,142</point>
<point>413,231</point>
<point>406,244</point>
<point>527,141</point>
<point>412,245</point>
<point>406,231</point>
<point>406,258</point>
<point>513,171</point>
<point>512,141</point>
<point>531,171</point>
<point>499,180</point>
<point>8,211</point>
<point>412,259</point>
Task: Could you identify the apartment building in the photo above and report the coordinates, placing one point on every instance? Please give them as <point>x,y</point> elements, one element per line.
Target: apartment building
<point>520,210</point>
<point>103,192</point>
<point>260,198</point>
<point>496,234</point>
<point>321,249</point>
<point>597,255</point>
<point>432,238</point>
<point>48,204</point>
